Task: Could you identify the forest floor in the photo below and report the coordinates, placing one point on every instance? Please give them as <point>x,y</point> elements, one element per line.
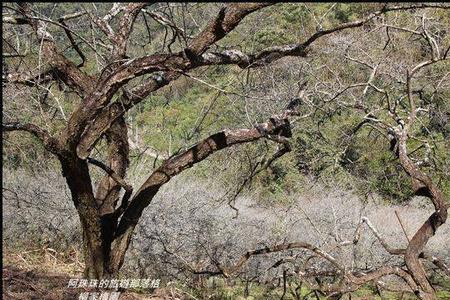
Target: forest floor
<point>22,284</point>
<point>44,274</point>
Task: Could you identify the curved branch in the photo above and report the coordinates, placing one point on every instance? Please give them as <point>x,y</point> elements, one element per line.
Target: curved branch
<point>115,110</point>
<point>225,21</point>
<point>166,22</point>
<point>350,282</point>
<point>72,41</point>
<point>30,79</point>
<point>126,23</point>
<point>299,49</point>
<point>385,245</point>
<point>266,56</point>
<point>50,143</point>
<point>69,73</point>
<point>277,125</point>
<point>110,172</point>
<point>371,16</point>
<point>422,185</point>
<point>277,248</point>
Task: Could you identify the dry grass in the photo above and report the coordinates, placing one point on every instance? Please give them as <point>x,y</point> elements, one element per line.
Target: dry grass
<point>45,259</point>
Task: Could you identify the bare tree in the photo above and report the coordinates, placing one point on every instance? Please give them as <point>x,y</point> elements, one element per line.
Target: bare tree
<point>108,220</point>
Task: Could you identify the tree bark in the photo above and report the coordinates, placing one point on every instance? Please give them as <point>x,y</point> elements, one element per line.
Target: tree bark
<point>77,177</point>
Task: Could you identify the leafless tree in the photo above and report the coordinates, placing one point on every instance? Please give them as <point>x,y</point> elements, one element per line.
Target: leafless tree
<point>108,220</point>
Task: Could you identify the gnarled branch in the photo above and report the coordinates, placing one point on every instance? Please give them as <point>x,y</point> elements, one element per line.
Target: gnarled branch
<point>49,142</point>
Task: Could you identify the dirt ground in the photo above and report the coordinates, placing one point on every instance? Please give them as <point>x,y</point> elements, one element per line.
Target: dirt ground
<point>22,284</point>
<point>43,274</point>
